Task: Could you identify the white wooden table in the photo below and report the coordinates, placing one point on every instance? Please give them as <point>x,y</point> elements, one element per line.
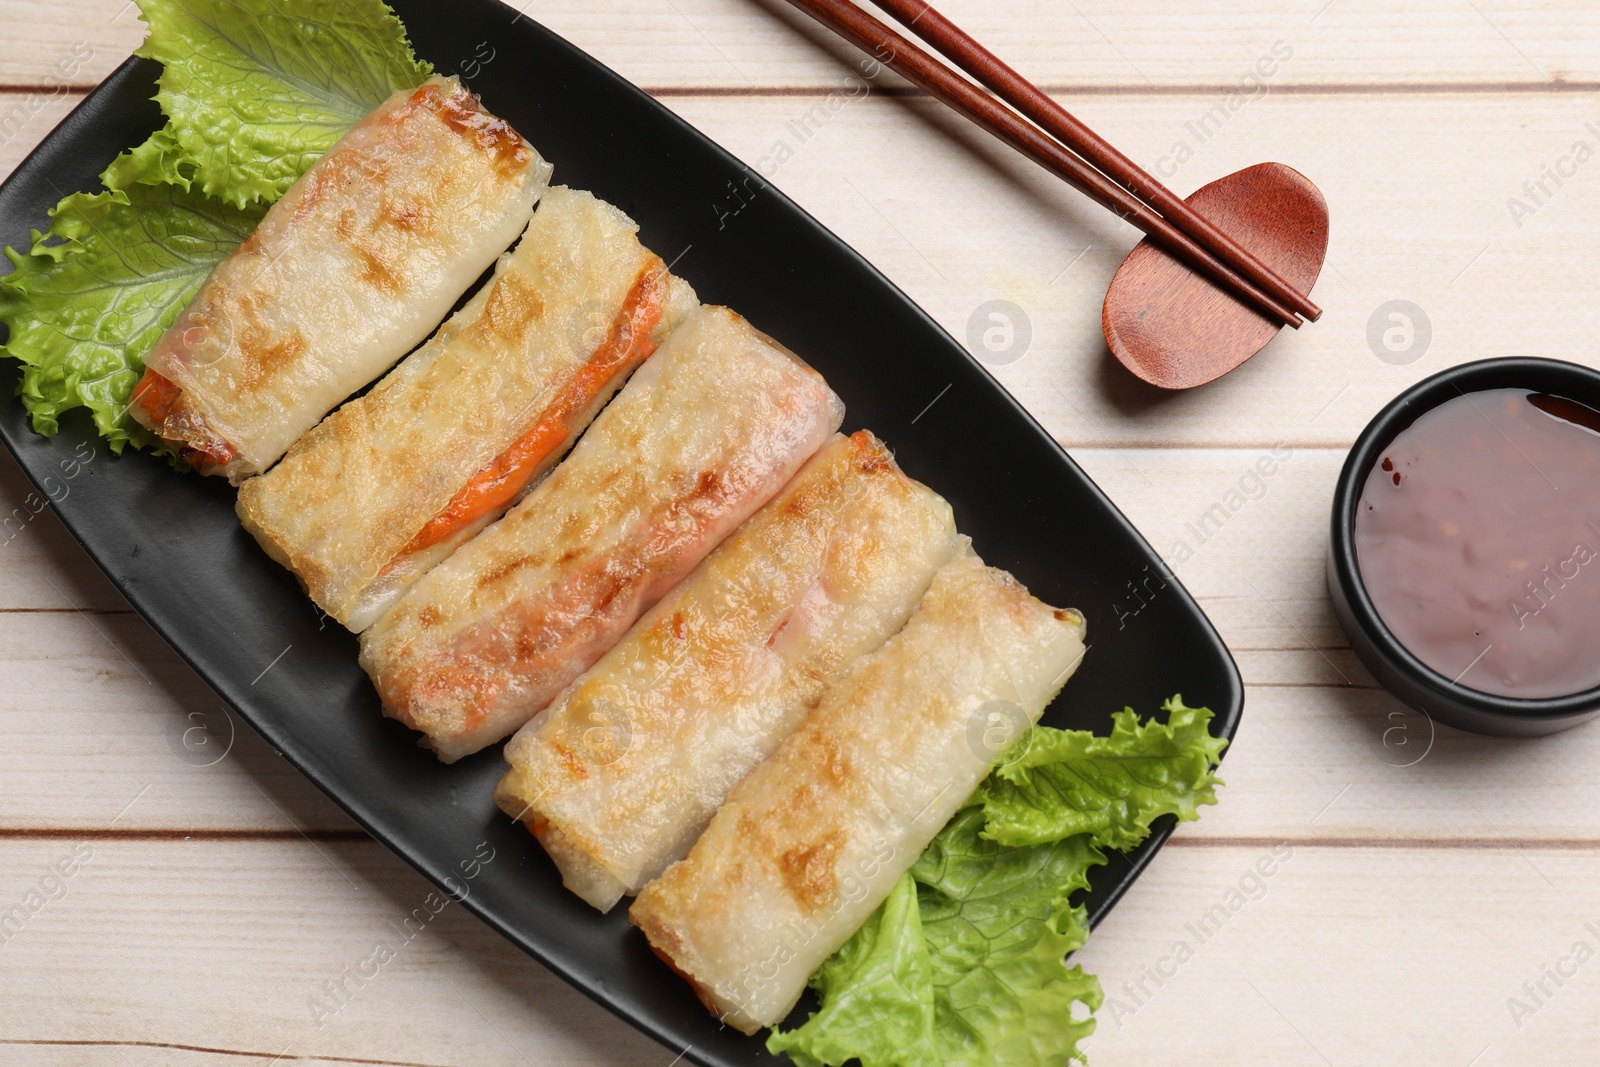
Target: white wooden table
<point>1424,885</point>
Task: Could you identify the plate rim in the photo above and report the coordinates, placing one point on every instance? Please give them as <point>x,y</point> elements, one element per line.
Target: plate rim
<point>274,734</point>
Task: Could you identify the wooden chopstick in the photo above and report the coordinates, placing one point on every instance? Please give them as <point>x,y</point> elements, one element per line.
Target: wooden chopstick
<point>909,61</point>
<point>960,48</point>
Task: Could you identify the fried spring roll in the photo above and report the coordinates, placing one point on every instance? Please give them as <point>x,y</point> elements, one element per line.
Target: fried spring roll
<point>353,267</point>
<point>625,769</point>
<point>392,482</point>
<point>814,839</point>
<point>703,434</point>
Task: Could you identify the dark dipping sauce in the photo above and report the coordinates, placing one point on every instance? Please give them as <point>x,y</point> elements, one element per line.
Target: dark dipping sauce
<point>1478,540</point>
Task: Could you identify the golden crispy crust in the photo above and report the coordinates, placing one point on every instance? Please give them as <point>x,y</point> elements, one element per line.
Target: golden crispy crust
<point>628,765</point>
<point>357,262</point>
<point>706,431</point>
<point>814,838</point>
<point>346,502</point>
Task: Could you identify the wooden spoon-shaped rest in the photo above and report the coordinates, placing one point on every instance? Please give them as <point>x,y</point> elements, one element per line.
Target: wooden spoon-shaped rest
<point>1175,329</point>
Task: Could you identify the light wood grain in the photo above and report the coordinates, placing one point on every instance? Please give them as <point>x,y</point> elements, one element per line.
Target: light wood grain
<point>71,43</point>
<point>1350,956</point>
<point>222,946</point>
<point>105,727</point>
<point>1354,45</point>
<point>1420,213</point>
<point>1351,43</point>
<point>1433,872</point>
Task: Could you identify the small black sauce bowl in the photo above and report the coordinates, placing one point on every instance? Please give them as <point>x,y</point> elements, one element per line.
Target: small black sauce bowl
<point>1391,662</point>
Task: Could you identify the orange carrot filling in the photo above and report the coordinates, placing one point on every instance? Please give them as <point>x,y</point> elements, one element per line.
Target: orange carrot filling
<point>463,113</point>
<point>157,395</point>
<point>626,342</point>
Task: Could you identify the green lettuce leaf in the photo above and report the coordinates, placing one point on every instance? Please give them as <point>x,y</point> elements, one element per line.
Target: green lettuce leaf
<point>255,91</point>
<point>877,995</point>
<point>985,945</point>
<point>997,923</point>
<point>94,294</point>
<point>963,965</point>
<point>1056,783</point>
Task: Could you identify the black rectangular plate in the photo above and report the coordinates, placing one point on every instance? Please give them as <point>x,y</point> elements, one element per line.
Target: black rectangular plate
<point>171,543</point>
